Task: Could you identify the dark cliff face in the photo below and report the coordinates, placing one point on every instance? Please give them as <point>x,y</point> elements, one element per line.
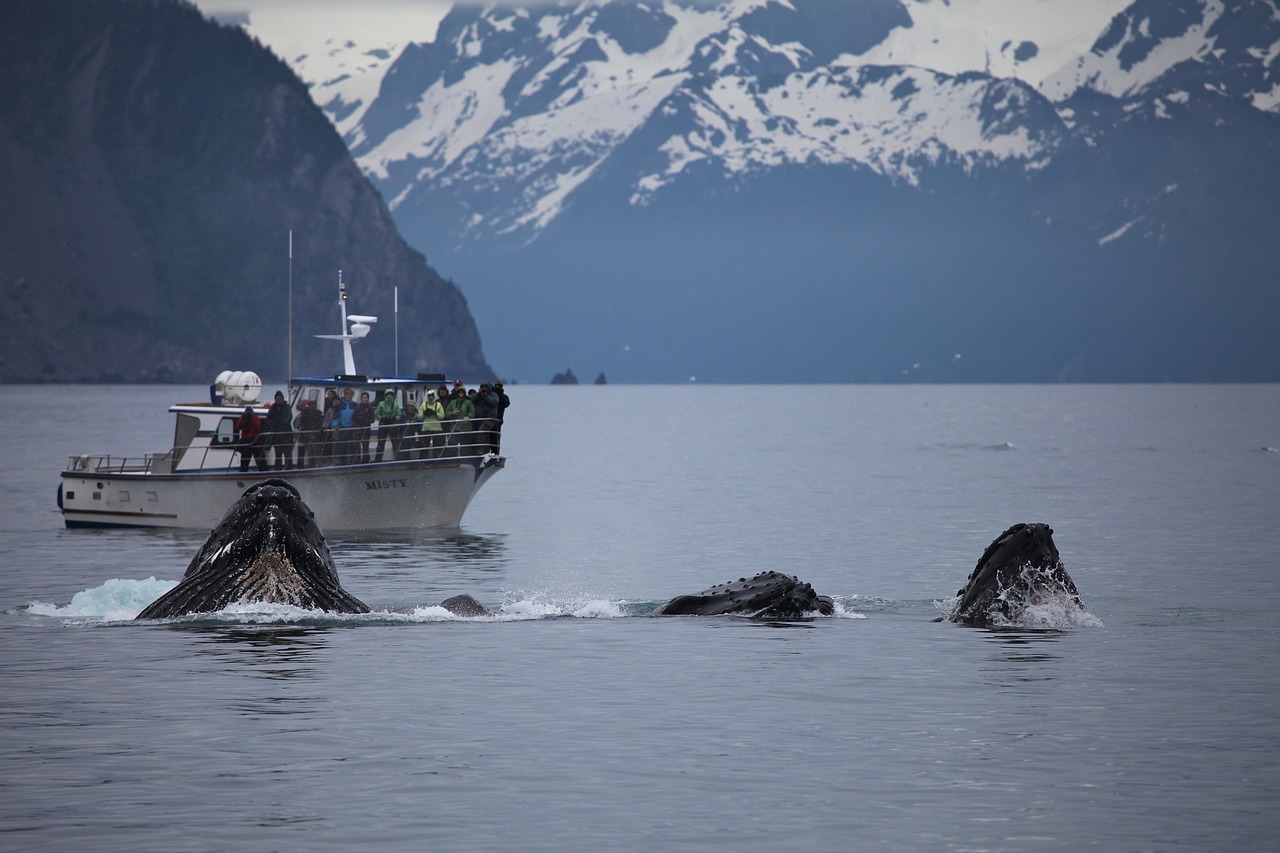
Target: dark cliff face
<point>153,165</point>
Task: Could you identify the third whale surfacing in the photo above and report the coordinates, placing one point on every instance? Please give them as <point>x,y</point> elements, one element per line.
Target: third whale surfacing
<point>767,595</point>
<point>1021,568</point>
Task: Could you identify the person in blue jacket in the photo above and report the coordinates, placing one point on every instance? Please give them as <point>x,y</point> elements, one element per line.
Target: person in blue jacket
<point>344,425</point>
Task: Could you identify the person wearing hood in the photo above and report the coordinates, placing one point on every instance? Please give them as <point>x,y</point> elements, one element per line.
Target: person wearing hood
<point>389,415</point>
<point>458,412</point>
<point>431,413</point>
<point>310,427</point>
<point>248,430</point>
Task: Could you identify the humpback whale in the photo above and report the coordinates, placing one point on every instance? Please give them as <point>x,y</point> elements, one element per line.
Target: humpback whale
<point>1020,568</point>
<point>267,548</point>
<point>768,595</point>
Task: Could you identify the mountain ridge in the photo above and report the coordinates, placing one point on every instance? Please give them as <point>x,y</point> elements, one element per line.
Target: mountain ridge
<point>157,163</point>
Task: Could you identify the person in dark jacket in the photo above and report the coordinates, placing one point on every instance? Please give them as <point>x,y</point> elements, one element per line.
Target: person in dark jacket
<point>486,403</point>
<point>248,429</point>
<point>363,419</point>
<point>503,400</point>
<point>310,427</point>
<point>279,433</point>
<point>503,403</point>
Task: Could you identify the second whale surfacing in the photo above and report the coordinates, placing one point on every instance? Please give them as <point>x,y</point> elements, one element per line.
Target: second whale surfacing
<point>767,595</point>
<point>266,549</point>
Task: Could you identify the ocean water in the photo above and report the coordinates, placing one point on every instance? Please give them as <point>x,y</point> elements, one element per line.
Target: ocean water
<point>570,722</point>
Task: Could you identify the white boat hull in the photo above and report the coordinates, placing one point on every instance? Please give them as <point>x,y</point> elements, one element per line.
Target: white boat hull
<point>380,496</point>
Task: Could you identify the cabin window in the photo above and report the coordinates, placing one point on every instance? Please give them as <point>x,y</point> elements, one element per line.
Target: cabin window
<point>225,434</point>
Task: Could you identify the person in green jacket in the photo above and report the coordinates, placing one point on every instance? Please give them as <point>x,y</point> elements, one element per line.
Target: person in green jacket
<point>388,416</point>
<point>431,413</point>
<point>459,412</point>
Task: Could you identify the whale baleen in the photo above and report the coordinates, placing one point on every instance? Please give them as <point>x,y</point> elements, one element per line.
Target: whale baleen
<point>266,549</point>
<point>1019,569</point>
<point>767,595</point>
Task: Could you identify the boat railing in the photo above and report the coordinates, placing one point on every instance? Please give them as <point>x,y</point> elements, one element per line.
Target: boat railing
<point>331,449</point>
<point>102,463</point>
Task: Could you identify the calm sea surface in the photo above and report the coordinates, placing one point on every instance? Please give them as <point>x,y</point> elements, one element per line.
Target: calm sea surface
<point>572,723</point>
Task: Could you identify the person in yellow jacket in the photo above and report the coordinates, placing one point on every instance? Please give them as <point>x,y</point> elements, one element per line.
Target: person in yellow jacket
<point>431,413</point>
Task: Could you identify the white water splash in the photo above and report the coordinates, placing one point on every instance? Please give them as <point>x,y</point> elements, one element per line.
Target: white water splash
<point>120,601</point>
<point>116,600</point>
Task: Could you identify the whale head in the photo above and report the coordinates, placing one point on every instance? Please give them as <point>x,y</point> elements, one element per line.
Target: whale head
<point>266,549</point>
<point>1021,568</point>
<point>771,596</point>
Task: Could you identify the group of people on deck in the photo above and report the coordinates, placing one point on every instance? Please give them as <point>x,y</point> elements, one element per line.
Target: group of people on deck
<point>449,422</point>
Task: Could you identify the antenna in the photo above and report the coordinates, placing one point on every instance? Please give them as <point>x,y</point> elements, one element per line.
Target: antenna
<point>396,291</point>
<point>359,328</point>
<point>288,376</point>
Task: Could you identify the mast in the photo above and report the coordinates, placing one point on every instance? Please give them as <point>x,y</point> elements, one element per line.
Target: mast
<point>359,328</point>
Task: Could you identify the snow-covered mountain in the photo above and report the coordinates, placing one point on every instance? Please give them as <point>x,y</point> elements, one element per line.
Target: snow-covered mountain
<point>535,101</point>
<point>528,136</point>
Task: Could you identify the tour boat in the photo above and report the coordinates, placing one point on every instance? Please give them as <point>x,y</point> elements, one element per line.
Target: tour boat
<point>415,484</point>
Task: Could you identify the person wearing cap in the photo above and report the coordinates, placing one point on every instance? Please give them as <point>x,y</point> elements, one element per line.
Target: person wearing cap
<point>431,413</point>
<point>279,432</point>
<point>388,414</point>
<point>248,430</point>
